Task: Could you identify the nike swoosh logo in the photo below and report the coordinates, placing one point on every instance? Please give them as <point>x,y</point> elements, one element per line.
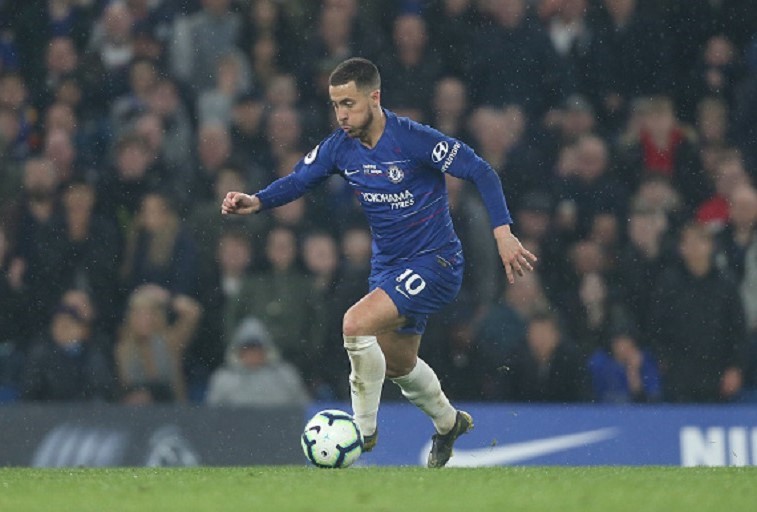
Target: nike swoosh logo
<point>350,173</point>
<point>518,452</point>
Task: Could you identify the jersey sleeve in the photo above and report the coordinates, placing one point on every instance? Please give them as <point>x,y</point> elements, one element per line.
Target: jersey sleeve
<point>449,155</point>
<point>311,170</point>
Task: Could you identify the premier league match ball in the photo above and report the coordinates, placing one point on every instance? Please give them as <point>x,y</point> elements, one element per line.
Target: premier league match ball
<point>332,439</point>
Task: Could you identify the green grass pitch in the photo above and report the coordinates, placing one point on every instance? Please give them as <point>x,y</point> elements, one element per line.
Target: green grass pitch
<point>290,488</point>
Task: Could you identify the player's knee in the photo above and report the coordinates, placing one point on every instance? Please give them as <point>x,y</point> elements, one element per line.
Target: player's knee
<point>353,324</point>
<point>396,368</point>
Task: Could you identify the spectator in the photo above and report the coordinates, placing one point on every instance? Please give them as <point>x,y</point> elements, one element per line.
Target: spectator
<point>100,333</point>
<point>642,260</point>
<point>546,368</point>
<point>738,250</point>
<point>414,66</point>
<point>661,144</point>
<point>574,41</point>
<point>624,372</point>
<point>514,62</point>
<point>350,286</point>
<point>592,312</point>
<point>12,155</point>
<point>254,373</point>
<point>716,73</point>
<point>467,371</point>
<point>282,298</point>
<point>14,96</point>
<point>267,20</point>
<point>451,23</point>
<point>566,125</point>
<point>232,79</point>
<point>730,176</point>
<point>712,122</point>
<point>213,153</point>
<point>90,249</point>
<point>338,34</point>
<point>152,21</point>
<point>37,240</point>
<point>38,25</point>
<point>283,133</point>
<point>449,108</point>
<point>502,328</point>
<point>60,150</point>
<point>149,127</point>
<point>744,120</point>
<point>697,325</point>
<point>11,328</point>
<point>165,101</point>
<point>499,136</point>
<point>61,61</point>
<point>481,259</point>
<point>739,233</point>
<point>66,366</point>
<point>160,249</point>
<point>150,347</point>
<point>143,75</point>
<point>247,139</point>
<point>264,55</point>
<point>122,186</point>
<point>200,40</point>
<point>111,46</point>
<point>701,20</point>
<point>320,256</point>
<point>206,226</point>
<point>591,186</point>
<point>282,91</point>
<point>633,57</point>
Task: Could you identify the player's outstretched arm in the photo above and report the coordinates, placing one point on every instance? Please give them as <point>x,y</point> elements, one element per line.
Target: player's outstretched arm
<point>515,258</point>
<point>239,203</point>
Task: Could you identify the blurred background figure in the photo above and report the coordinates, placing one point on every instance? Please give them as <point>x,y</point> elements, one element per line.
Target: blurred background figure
<point>697,315</point>
<point>546,367</point>
<point>66,365</point>
<point>254,373</point>
<point>623,371</point>
<point>155,332</point>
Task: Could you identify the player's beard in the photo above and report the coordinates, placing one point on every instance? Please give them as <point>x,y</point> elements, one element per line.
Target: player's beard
<point>361,132</point>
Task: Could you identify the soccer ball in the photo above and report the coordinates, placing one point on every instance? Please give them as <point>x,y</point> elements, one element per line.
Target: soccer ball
<point>332,439</point>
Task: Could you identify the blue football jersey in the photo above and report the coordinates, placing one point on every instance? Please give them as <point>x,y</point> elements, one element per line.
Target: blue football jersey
<point>399,183</point>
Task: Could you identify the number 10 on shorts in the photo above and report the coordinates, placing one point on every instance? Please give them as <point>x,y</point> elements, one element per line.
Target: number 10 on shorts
<point>413,283</point>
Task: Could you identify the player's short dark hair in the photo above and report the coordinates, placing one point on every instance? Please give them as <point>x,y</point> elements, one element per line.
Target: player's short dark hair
<point>363,72</point>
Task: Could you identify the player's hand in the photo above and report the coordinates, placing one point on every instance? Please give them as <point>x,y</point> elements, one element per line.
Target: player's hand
<point>240,203</point>
<point>515,258</point>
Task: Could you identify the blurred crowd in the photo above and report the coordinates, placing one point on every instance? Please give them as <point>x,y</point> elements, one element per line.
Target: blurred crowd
<point>624,133</point>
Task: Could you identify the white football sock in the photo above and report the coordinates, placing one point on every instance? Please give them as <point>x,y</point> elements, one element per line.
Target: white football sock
<point>421,386</point>
<point>366,379</point>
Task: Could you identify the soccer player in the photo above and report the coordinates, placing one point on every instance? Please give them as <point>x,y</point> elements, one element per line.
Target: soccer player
<point>396,168</point>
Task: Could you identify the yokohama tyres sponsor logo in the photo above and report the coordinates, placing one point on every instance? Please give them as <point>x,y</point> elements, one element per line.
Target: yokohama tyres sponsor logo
<point>401,200</point>
<point>451,157</point>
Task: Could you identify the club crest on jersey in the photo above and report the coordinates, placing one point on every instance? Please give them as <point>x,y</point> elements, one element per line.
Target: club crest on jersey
<point>310,157</point>
<point>439,151</point>
<point>395,174</point>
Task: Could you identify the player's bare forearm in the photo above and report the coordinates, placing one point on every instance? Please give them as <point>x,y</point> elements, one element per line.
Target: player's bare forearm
<point>239,203</point>
<point>515,258</point>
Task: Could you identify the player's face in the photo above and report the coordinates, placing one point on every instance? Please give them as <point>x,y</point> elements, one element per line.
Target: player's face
<point>353,108</point>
